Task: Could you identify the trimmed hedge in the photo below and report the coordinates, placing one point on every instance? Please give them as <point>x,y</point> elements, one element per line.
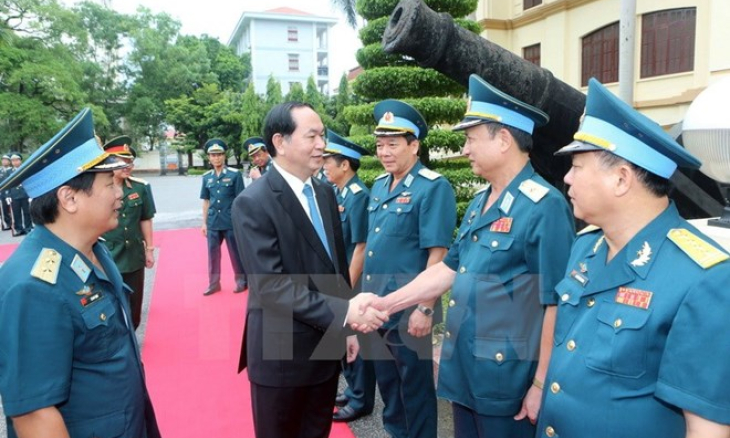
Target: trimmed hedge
<point>372,9</point>
<point>404,82</point>
<point>470,25</point>
<point>372,33</point>
<point>436,110</point>
<point>373,55</point>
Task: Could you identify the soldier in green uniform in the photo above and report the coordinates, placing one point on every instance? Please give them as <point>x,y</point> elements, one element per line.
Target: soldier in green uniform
<point>220,187</point>
<point>412,215</point>
<point>641,339</point>
<point>341,163</point>
<point>69,361</point>
<point>259,157</point>
<point>5,215</point>
<point>131,243</point>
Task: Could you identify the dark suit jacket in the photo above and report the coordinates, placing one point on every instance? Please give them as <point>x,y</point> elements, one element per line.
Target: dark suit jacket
<point>298,298</point>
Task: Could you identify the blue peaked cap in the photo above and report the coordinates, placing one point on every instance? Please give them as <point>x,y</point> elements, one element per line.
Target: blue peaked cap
<point>71,152</point>
<point>254,144</point>
<point>489,104</point>
<point>337,145</point>
<point>215,146</point>
<point>612,125</point>
<point>398,118</point>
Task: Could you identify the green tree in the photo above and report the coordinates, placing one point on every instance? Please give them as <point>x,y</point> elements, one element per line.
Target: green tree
<point>273,93</point>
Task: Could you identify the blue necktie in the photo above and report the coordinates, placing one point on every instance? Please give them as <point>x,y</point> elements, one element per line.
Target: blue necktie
<point>316,218</point>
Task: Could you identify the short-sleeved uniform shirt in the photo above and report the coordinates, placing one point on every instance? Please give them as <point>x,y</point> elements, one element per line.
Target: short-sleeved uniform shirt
<point>221,190</point>
<point>66,340</point>
<point>126,242</point>
<point>640,338</point>
<point>403,223</point>
<point>507,262</point>
<point>352,202</point>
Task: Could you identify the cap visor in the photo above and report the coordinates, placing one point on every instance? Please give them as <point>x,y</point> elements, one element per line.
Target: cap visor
<point>578,146</point>
<point>109,164</point>
<point>468,123</point>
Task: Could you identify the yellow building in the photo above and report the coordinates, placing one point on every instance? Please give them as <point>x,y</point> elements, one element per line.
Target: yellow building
<point>681,46</point>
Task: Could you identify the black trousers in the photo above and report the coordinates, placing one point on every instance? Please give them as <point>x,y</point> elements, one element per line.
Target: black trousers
<point>21,215</point>
<point>7,218</point>
<point>135,280</point>
<point>298,412</point>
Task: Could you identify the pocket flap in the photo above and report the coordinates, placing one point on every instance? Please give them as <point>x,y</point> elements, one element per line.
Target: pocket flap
<point>500,349</point>
<point>622,317</point>
<point>496,241</point>
<point>98,314</point>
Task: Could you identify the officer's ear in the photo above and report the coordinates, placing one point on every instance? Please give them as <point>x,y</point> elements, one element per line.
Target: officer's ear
<point>278,141</point>
<point>67,199</point>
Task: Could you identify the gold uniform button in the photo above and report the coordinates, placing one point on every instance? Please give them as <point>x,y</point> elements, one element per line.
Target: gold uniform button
<point>385,206</point>
<point>549,431</point>
<point>499,357</point>
<point>571,345</point>
<point>377,229</point>
<point>462,269</point>
<point>475,238</point>
<point>591,302</point>
<point>495,244</point>
<point>398,210</point>
<point>448,335</point>
<point>565,297</point>
<point>617,323</point>
<point>555,388</point>
<point>452,303</point>
<point>102,317</point>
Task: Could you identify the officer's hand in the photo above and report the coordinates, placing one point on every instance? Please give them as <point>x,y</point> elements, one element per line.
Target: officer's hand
<point>353,348</point>
<point>419,325</point>
<point>530,405</point>
<point>364,320</point>
<point>149,255</point>
<point>254,173</point>
<point>204,229</point>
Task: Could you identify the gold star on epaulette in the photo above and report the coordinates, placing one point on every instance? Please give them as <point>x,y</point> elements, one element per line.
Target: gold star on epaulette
<point>47,265</point>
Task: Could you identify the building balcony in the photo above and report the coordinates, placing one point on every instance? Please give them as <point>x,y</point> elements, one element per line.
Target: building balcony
<point>323,71</point>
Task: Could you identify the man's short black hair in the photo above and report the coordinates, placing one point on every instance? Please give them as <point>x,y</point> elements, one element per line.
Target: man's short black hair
<point>657,185</point>
<point>280,121</point>
<point>523,139</point>
<point>44,209</point>
<point>354,164</point>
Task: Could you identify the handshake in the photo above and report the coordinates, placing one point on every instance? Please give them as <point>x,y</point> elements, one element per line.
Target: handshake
<point>367,312</point>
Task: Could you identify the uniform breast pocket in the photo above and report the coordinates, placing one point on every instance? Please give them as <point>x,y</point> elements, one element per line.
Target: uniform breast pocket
<point>402,220</point>
<point>620,343</point>
<point>505,362</point>
<point>569,293</point>
<point>98,335</point>
<point>133,202</point>
<point>498,257</point>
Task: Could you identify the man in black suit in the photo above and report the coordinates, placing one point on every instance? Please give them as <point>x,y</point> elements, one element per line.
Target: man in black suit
<point>290,238</point>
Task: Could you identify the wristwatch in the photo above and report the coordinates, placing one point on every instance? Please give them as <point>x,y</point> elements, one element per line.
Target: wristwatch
<point>425,310</point>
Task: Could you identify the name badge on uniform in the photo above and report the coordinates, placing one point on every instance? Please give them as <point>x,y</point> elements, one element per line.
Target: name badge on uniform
<point>85,301</point>
<point>503,225</point>
<point>580,278</point>
<point>80,268</point>
<point>133,196</point>
<point>634,297</point>
<point>507,201</point>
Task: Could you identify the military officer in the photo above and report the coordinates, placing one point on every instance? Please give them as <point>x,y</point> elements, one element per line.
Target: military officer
<point>511,250</point>
<point>220,187</point>
<point>412,215</point>
<point>5,214</point>
<point>341,163</point>
<point>131,243</point>
<point>640,340</point>
<point>69,361</point>
<point>19,202</point>
<point>259,156</point>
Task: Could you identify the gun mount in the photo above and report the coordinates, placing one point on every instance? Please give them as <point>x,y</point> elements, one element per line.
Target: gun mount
<point>435,41</point>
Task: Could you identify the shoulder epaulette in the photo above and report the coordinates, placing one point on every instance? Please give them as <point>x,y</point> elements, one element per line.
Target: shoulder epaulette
<point>429,174</point>
<point>47,266</point>
<point>382,175</point>
<point>355,188</point>
<point>208,172</point>
<point>533,190</point>
<point>139,180</point>
<point>588,229</point>
<point>699,250</point>
<point>232,169</point>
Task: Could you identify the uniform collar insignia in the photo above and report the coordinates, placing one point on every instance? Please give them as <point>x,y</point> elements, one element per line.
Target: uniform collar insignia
<point>80,268</point>
<point>408,181</point>
<point>642,256</point>
<point>507,201</point>
<point>598,244</point>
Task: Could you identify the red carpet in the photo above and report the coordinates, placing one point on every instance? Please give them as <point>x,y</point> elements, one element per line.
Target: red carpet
<point>192,344</point>
<point>6,250</point>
